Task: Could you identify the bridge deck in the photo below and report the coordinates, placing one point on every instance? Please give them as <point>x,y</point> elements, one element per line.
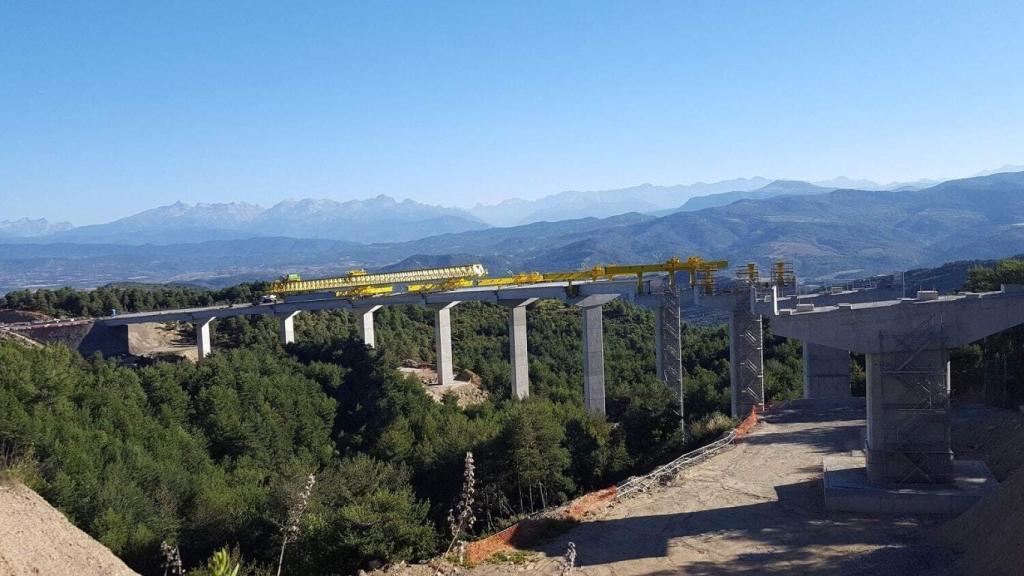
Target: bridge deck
<point>311,302</point>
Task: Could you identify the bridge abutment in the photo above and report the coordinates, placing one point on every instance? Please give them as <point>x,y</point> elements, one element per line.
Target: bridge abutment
<point>826,372</point>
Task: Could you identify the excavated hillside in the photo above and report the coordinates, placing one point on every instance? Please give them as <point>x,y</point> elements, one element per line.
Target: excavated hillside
<point>36,538</point>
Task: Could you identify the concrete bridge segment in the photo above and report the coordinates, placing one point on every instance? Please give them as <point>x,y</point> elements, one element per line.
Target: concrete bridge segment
<point>906,343</point>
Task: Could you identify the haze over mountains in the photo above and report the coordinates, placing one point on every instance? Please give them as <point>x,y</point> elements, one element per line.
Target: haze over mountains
<point>380,219</point>
<point>384,219</point>
<point>837,233</point>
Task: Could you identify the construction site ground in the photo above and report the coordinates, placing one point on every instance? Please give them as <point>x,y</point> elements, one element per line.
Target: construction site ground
<point>757,508</point>
<point>466,387</point>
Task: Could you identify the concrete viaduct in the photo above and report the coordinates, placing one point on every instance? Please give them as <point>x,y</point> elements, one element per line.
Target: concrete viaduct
<point>654,292</point>
<point>907,463</point>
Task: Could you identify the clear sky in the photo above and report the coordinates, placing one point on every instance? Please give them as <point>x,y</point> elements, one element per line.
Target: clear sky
<point>110,108</point>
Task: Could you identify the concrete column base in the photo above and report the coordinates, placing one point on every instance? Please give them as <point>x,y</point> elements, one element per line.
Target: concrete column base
<point>848,489</point>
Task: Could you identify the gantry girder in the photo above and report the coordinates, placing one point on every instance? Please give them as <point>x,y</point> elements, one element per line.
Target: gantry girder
<point>360,284</point>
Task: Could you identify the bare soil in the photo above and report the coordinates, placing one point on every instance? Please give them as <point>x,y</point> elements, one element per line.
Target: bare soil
<point>466,387</point>
<point>153,340</point>
<point>36,538</point>
<point>991,534</point>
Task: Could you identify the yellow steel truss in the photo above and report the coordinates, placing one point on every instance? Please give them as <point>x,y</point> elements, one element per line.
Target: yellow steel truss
<point>359,283</point>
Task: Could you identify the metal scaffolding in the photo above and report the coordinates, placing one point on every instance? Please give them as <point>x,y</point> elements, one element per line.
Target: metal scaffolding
<point>915,403</point>
<point>669,342</point>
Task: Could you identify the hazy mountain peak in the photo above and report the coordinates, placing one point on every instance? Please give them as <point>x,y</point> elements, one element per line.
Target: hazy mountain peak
<point>28,228</point>
<point>1004,168</point>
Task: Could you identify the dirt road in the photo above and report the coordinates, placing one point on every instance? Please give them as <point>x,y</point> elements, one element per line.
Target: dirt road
<point>755,509</point>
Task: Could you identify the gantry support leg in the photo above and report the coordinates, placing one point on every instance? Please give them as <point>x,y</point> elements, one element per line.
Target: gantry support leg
<point>287,330</point>
<point>364,324</point>
<point>443,343</point>
<point>203,338</point>
<point>826,372</point>
<point>517,349</point>
<point>593,359</point>
<point>746,361</point>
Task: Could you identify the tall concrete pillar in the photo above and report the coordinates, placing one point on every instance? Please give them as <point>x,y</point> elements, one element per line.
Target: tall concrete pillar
<point>593,359</point>
<point>364,323</point>
<point>443,343</point>
<point>518,356</point>
<point>908,430</point>
<point>826,372</point>
<point>288,328</point>
<point>746,361</point>
<point>203,338</point>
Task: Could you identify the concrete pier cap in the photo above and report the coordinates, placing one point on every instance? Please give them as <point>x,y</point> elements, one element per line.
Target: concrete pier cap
<point>908,446</point>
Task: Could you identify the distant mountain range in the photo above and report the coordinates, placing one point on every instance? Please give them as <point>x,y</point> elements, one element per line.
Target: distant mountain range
<point>604,203</point>
<point>842,233</point>
<point>26,228</point>
<point>380,219</point>
<point>384,219</point>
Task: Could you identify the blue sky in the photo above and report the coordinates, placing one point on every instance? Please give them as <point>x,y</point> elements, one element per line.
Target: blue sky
<point>110,108</point>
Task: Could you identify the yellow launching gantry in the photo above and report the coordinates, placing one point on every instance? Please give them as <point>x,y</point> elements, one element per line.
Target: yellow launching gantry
<point>359,283</point>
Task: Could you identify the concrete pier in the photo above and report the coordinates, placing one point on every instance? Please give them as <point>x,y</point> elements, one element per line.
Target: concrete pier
<point>906,344</point>
<point>517,349</point>
<point>826,372</point>
<point>364,323</point>
<point>443,343</point>
<point>908,428</point>
<point>203,337</point>
<point>287,330</point>
<point>746,361</point>
<point>593,359</point>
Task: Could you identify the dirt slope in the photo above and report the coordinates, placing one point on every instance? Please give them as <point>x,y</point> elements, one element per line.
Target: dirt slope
<point>36,538</point>
<point>991,534</point>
